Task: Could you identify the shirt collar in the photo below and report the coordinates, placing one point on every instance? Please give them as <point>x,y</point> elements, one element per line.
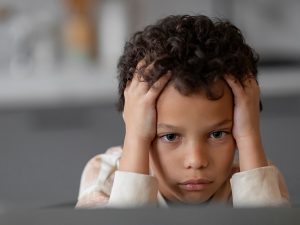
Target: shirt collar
<point>161,201</point>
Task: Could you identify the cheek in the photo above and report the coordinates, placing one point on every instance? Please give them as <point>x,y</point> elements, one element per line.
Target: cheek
<point>224,156</point>
<point>164,160</point>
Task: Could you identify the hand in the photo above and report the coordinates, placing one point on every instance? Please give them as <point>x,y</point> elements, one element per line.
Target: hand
<point>246,128</point>
<point>140,120</point>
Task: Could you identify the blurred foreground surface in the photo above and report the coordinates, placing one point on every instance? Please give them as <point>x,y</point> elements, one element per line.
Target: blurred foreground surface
<point>149,216</point>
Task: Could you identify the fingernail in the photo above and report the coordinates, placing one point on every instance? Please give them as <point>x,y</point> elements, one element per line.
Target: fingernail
<point>168,74</point>
<point>229,76</point>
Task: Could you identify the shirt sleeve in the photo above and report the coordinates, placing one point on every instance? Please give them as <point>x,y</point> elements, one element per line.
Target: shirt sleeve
<point>97,178</point>
<point>102,185</point>
<point>260,187</point>
<point>133,190</point>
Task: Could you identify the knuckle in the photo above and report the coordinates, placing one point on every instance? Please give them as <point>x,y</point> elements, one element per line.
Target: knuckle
<point>148,100</point>
<point>140,64</point>
<point>157,85</point>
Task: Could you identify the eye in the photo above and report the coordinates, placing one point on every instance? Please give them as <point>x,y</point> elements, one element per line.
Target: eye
<point>217,134</point>
<point>170,137</point>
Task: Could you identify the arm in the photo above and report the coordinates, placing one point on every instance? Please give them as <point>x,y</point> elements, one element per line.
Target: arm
<point>260,187</point>
<point>246,129</point>
<point>258,183</point>
<point>131,185</point>
<point>140,121</point>
<point>102,184</point>
<point>140,126</point>
<point>96,179</point>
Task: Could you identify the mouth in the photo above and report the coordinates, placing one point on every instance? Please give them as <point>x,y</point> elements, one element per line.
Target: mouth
<point>195,185</point>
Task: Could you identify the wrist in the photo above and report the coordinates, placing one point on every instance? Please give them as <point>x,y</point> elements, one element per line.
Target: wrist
<point>134,139</point>
<point>251,152</point>
<point>135,136</point>
<point>135,156</point>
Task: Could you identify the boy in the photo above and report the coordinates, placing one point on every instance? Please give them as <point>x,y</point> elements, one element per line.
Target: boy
<point>189,96</point>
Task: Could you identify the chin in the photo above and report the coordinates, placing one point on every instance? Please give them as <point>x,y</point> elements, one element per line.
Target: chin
<point>194,200</point>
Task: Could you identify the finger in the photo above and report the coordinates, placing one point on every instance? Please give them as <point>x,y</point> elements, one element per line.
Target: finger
<point>138,73</point>
<point>251,87</point>
<point>142,73</point>
<point>141,64</point>
<point>136,85</point>
<point>250,81</point>
<point>127,85</point>
<point>235,85</point>
<point>158,86</point>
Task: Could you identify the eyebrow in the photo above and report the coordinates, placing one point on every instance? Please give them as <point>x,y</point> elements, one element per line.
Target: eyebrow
<point>216,125</point>
<point>166,126</point>
<point>222,123</point>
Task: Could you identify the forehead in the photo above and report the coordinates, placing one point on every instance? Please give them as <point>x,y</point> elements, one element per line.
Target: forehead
<point>174,107</point>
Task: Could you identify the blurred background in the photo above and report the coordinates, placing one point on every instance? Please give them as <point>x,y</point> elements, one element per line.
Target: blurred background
<point>58,86</point>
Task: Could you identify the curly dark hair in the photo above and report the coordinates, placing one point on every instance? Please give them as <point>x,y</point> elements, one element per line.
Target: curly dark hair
<point>196,49</point>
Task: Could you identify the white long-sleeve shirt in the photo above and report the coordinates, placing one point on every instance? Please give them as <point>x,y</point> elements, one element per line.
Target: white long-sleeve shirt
<point>103,185</point>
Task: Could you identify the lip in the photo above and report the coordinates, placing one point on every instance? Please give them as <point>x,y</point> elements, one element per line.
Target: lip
<point>195,184</point>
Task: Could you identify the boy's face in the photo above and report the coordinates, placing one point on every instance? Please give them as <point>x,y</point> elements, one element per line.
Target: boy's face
<point>193,152</point>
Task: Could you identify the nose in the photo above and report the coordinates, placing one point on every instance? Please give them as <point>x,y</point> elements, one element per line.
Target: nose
<point>196,157</point>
